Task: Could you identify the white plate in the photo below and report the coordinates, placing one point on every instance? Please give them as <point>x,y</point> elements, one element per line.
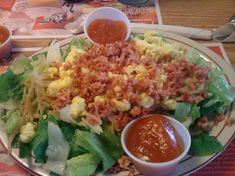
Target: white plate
<point>190,163</point>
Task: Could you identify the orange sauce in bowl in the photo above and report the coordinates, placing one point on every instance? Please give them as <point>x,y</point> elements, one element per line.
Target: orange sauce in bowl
<point>105,31</point>
<point>154,139</point>
<point>4,34</point>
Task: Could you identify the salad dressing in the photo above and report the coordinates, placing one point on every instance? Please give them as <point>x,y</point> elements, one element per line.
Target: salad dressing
<point>154,139</point>
<point>105,31</point>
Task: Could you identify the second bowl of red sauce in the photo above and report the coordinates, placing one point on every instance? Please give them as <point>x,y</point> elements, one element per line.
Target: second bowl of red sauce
<point>155,143</point>
<point>107,25</point>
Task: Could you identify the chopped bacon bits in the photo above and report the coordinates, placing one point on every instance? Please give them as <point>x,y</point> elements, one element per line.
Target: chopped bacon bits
<point>117,71</point>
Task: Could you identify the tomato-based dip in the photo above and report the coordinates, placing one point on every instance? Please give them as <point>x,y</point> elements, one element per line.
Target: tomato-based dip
<point>4,34</point>
<point>105,31</point>
<point>154,139</point>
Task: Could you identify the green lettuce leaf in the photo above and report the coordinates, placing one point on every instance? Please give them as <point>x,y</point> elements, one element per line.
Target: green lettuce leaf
<point>53,53</point>
<point>13,79</point>
<point>219,87</point>
<point>13,122</point>
<point>211,107</point>
<point>77,43</point>
<point>16,141</point>
<point>182,111</point>
<point>24,150</point>
<point>21,65</point>
<point>12,87</point>
<point>41,65</point>
<point>93,143</point>
<point>113,145</point>
<point>40,141</point>
<point>82,165</point>
<point>203,144</point>
<point>57,150</point>
<point>195,112</point>
<point>69,133</point>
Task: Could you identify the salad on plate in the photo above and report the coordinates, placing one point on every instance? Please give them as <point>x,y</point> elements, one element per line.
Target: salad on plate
<point>65,108</point>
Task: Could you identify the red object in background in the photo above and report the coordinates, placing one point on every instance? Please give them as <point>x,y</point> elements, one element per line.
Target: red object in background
<point>217,50</point>
<point>7,4</point>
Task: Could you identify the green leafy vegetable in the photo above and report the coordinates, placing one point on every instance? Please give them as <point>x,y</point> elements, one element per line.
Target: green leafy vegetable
<point>57,150</point>
<point>203,144</point>
<point>211,107</point>
<point>139,36</point>
<point>113,145</point>
<point>40,65</point>
<point>195,112</point>
<point>92,143</point>
<point>182,111</point>
<point>24,150</point>
<point>219,87</point>
<point>38,56</point>
<point>82,165</point>
<point>12,87</point>
<point>77,43</point>
<point>21,65</point>
<point>53,174</point>
<point>13,79</point>
<point>16,141</point>
<point>53,53</point>
<point>40,141</point>
<point>13,122</point>
<point>69,133</point>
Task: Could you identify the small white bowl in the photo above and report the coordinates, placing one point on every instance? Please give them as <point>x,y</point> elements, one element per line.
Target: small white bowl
<point>159,169</point>
<point>106,13</point>
<point>6,46</point>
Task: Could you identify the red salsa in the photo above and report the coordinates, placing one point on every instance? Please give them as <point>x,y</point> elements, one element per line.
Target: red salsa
<point>154,139</point>
<point>105,31</point>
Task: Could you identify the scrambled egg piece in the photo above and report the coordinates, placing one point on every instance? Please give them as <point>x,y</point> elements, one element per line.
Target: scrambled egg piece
<point>65,79</point>
<point>141,71</point>
<point>123,76</point>
<point>65,73</point>
<point>53,72</point>
<point>122,105</point>
<point>129,69</point>
<point>56,86</point>
<point>160,80</point>
<point>151,37</point>
<point>27,132</point>
<point>146,101</point>
<point>169,104</point>
<point>85,70</point>
<point>77,108</point>
<point>73,54</point>
<point>155,47</point>
<point>100,99</point>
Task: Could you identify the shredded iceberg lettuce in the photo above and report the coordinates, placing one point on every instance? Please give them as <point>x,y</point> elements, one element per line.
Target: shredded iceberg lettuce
<point>57,150</point>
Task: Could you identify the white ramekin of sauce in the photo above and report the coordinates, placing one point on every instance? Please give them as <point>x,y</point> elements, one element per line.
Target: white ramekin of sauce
<point>5,42</point>
<point>155,144</point>
<point>107,25</point>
